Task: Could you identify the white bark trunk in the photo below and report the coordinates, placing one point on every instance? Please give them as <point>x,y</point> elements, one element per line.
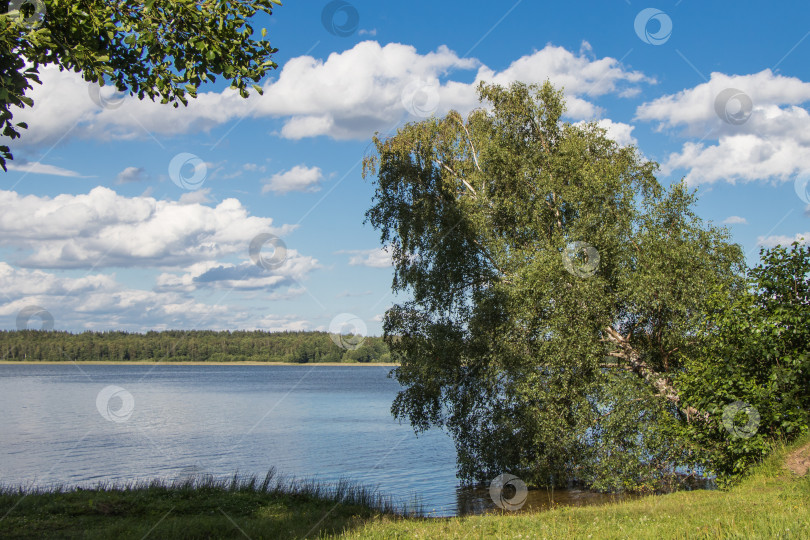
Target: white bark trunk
<point>660,382</point>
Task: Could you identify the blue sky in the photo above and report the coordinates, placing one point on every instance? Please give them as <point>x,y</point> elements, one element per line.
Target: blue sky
<point>101,231</point>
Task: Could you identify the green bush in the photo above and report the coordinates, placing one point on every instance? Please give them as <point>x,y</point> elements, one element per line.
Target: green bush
<point>751,381</point>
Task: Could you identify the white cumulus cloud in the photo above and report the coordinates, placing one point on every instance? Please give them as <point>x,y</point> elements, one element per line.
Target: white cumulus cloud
<point>103,229</point>
<point>373,258</point>
<point>348,95</point>
<point>100,302</point>
<point>776,240</point>
<point>299,178</point>
<point>751,127</point>
<point>132,174</point>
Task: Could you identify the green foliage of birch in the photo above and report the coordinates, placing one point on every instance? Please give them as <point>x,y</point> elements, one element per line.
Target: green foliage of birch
<point>555,288</point>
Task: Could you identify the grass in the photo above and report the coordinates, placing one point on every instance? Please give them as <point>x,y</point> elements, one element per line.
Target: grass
<point>200,507</point>
<point>771,503</point>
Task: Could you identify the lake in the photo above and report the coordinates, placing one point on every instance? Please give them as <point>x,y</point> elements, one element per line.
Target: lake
<point>82,424</point>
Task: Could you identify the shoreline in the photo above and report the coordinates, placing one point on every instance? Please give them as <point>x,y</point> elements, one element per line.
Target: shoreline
<point>172,363</point>
<point>275,508</point>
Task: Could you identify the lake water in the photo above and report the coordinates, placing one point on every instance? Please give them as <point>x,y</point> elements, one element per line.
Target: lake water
<point>81,424</point>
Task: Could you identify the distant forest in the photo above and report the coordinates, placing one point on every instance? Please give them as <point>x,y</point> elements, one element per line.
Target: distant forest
<point>186,346</point>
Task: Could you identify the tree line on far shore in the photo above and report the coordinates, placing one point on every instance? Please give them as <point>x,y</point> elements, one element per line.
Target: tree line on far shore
<point>186,346</point>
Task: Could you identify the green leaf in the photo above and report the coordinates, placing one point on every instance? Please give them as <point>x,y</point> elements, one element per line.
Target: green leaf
<point>154,36</point>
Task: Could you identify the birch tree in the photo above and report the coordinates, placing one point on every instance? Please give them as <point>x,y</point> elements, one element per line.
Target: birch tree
<point>554,288</point>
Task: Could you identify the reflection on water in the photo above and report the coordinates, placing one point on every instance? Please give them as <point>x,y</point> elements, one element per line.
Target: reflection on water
<point>323,423</point>
<point>477,500</point>
<point>81,425</point>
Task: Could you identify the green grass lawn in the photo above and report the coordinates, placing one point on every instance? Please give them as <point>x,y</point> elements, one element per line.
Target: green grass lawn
<point>202,508</point>
<point>770,503</point>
